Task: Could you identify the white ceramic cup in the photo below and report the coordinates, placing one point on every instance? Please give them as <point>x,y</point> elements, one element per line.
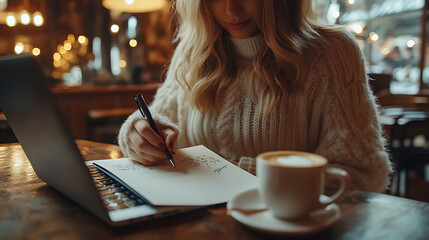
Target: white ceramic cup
<point>291,183</point>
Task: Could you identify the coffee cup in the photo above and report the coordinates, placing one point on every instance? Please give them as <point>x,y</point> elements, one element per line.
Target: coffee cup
<point>291,183</point>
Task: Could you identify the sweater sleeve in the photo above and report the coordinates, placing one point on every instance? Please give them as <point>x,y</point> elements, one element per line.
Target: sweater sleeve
<point>351,136</point>
<point>164,107</point>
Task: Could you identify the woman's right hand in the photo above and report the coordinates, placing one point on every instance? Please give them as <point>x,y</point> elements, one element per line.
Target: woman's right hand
<point>146,146</point>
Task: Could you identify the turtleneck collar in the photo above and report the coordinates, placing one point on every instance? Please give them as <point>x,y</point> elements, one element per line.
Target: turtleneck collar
<point>246,48</point>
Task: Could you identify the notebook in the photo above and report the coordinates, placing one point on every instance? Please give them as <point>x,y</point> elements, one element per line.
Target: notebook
<point>36,121</point>
<point>200,178</point>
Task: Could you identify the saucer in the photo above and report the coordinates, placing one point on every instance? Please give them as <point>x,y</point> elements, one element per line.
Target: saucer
<point>266,222</point>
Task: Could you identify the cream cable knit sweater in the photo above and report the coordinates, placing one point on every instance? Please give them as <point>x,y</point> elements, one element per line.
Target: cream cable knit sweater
<point>337,115</point>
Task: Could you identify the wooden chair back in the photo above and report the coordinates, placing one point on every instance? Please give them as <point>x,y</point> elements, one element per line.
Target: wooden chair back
<point>379,82</point>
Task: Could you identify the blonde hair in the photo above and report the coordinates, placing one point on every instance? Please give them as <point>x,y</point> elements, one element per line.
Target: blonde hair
<point>208,68</point>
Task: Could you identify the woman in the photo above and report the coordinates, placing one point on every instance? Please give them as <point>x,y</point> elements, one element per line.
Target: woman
<point>250,76</point>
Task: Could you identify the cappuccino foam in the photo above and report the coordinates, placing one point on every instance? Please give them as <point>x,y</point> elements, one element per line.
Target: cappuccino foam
<point>296,161</point>
<point>293,159</point>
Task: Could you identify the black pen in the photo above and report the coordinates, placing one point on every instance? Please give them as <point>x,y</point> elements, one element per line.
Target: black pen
<point>144,110</point>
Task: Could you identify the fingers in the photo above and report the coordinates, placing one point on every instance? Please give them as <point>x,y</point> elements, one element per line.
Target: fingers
<point>146,146</point>
<point>143,128</point>
<point>140,145</point>
<point>170,138</point>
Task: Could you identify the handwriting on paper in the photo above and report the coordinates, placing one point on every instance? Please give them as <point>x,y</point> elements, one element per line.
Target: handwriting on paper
<point>219,170</point>
<point>131,166</point>
<point>206,161</point>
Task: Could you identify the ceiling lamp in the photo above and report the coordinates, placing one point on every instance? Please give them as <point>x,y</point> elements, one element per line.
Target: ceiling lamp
<point>134,6</point>
<point>3,5</point>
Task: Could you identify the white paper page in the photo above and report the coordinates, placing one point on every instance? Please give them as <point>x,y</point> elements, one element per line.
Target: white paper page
<point>201,177</point>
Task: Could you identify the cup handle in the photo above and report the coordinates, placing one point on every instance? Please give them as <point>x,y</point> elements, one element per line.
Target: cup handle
<point>341,175</point>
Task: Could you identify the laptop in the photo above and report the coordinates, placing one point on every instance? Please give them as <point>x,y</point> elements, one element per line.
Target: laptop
<point>35,118</point>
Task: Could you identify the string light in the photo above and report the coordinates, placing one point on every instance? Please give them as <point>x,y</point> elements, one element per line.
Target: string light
<point>25,17</point>
<point>122,63</point>
<point>10,20</point>
<point>38,19</point>
<point>57,56</point>
<point>133,43</point>
<point>61,49</point>
<point>81,39</point>
<point>71,38</point>
<point>357,28</point>
<point>67,46</point>
<point>114,28</point>
<point>19,48</point>
<point>384,50</point>
<point>373,36</point>
<point>36,51</point>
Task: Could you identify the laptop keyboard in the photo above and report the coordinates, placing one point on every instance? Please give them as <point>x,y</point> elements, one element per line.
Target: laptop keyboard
<point>114,194</point>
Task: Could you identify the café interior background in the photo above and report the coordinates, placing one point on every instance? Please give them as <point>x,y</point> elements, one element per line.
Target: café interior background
<point>80,42</point>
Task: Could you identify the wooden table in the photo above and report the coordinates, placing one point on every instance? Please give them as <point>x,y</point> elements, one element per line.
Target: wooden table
<point>30,209</point>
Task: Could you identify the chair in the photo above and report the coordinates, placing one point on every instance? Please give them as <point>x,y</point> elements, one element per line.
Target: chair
<point>407,120</point>
<point>379,81</point>
<point>104,124</point>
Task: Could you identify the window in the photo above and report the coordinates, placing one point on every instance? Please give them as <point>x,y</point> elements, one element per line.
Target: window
<point>389,33</point>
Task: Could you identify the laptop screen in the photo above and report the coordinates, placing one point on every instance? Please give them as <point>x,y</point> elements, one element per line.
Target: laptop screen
<point>36,121</point>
